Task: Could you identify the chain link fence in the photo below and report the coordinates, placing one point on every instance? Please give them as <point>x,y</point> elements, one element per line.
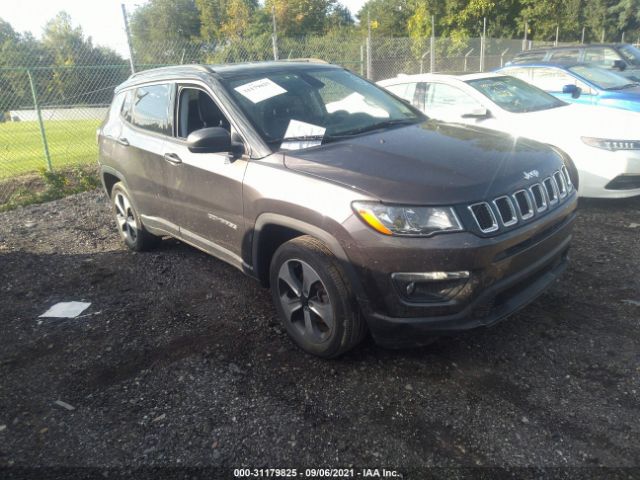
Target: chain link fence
<point>51,105</point>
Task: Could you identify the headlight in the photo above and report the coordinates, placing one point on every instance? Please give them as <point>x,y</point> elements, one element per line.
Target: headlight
<point>412,221</point>
<point>612,145</point>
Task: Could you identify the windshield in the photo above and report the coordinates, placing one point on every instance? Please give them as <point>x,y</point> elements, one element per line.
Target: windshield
<point>631,54</point>
<point>603,79</point>
<point>515,95</point>
<point>303,108</point>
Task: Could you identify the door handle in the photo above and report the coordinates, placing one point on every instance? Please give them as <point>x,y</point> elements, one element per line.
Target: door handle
<point>123,141</point>
<point>172,158</point>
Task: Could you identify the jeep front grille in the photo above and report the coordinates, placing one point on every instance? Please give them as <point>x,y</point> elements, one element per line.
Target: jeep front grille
<point>539,197</point>
<point>508,210</point>
<point>484,217</point>
<point>551,190</point>
<point>524,204</point>
<point>560,183</point>
<point>567,178</point>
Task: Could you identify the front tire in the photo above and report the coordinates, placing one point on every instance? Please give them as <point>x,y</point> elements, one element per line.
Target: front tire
<point>128,221</point>
<point>314,299</point>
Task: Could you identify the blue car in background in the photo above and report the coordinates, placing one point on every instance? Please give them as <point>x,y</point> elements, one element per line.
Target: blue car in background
<point>580,83</point>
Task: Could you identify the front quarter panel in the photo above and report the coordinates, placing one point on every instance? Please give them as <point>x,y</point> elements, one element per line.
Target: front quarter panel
<point>314,206</point>
<point>633,106</point>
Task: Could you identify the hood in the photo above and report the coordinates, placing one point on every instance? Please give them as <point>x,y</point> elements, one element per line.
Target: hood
<point>631,94</point>
<point>580,120</point>
<point>432,163</point>
<point>631,73</point>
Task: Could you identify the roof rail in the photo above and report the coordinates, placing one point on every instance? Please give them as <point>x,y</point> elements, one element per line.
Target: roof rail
<point>195,66</point>
<point>310,60</point>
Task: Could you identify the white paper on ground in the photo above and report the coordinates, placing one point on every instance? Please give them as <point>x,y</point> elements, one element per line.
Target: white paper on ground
<point>297,128</point>
<point>260,90</point>
<point>66,310</point>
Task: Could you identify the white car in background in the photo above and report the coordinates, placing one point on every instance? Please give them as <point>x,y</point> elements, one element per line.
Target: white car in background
<point>603,143</point>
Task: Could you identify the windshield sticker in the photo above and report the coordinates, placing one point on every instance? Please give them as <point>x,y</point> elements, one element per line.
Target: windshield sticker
<point>301,135</point>
<point>260,90</point>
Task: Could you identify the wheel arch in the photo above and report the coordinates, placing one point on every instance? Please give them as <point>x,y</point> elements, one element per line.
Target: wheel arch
<point>272,230</point>
<point>110,176</point>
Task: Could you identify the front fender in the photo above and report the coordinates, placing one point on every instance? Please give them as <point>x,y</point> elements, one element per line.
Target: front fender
<point>304,228</point>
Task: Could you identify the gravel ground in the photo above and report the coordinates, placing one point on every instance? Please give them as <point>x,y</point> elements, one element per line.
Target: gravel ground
<point>180,361</point>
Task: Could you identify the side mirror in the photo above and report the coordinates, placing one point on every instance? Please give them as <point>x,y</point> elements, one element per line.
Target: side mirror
<point>620,65</point>
<point>479,112</point>
<point>209,140</point>
<point>574,90</point>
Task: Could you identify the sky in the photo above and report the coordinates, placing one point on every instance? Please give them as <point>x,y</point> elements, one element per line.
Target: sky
<point>99,19</point>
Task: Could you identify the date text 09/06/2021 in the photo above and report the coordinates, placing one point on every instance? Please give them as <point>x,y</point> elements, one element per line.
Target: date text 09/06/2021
<point>316,473</point>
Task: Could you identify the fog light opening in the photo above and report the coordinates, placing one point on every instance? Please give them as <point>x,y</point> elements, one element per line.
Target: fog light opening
<point>430,287</point>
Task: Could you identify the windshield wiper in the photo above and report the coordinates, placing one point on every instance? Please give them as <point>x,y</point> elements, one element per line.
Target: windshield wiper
<point>377,126</point>
<point>628,85</point>
<point>542,107</point>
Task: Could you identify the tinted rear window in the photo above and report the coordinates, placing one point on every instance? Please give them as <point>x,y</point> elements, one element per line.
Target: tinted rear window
<point>151,108</point>
<point>529,57</point>
<point>566,56</point>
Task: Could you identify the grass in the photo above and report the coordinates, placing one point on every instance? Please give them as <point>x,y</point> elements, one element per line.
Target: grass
<point>71,142</point>
<point>47,186</point>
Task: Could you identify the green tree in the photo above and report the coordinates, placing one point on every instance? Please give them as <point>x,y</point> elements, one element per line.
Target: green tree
<point>301,17</point>
<point>165,20</point>
<point>224,19</point>
<point>81,72</point>
<point>389,18</point>
<point>162,31</point>
<point>7,33</point>
<point>260,24</point>
<point>614,16</point>
<point>339,16</point>
<point>66,42</point>
<point>544,16</point>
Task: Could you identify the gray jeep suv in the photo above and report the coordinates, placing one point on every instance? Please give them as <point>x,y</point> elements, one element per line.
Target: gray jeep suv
<point>359,212</point>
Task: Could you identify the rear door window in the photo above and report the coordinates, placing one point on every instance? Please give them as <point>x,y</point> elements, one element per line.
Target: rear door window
<point>521,73</point>
<point>553,80</point>
<point>152,108</point>
<point>631,54</point>
<point>444,100</point>
<point>566,56</point>
<point>406,91</point>
<point>601,56</point>
<point>527,57</point>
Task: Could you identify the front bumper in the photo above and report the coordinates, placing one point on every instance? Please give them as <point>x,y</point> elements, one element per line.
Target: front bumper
<point>598,170</point>
<point>507,273</point>
<point>502,299</point>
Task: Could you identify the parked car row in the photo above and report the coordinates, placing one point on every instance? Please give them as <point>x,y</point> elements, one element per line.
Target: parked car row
<point>603,143</point>
<point>623,58</point>
<point>356,209</point>
<point>580,83</point>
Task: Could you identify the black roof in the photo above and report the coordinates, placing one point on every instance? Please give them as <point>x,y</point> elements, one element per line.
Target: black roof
<point>557,64</point>
<point>571,47</point>
<point>231,70</point>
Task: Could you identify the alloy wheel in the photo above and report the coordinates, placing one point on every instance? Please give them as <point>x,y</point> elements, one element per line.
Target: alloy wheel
<point>305,301</point>
<point>126,218</point>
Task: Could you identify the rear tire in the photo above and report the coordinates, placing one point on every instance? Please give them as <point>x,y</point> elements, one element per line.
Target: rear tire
<point>314,299</point>
<point>128,221</point>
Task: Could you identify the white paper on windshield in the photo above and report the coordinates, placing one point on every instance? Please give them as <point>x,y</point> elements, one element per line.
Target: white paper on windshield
<point>297,128</point>
<point>260,90</point>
